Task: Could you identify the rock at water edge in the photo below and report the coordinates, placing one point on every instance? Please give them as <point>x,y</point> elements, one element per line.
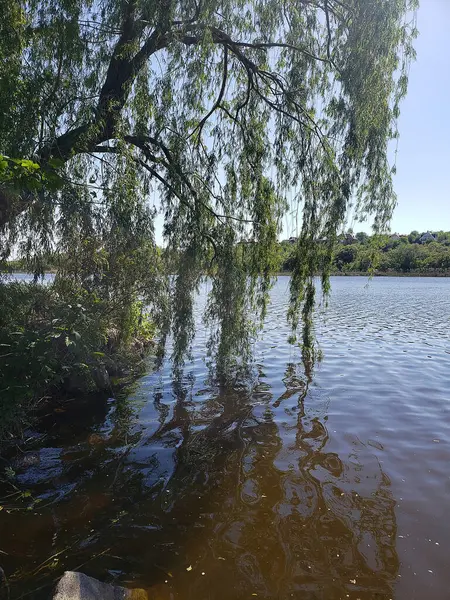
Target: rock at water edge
<point>77,586</point>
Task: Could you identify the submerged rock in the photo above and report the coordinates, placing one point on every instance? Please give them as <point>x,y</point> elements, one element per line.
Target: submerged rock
<point>77,586</point>
<point>95,439</point>
<point>26,460</point>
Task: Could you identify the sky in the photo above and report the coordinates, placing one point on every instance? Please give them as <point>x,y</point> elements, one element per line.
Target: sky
<point>422,182</point>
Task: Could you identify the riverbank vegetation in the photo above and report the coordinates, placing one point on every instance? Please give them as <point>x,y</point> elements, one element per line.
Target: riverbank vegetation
<point>418,254</point>
<point>200,118</point>
<point>60,340</point>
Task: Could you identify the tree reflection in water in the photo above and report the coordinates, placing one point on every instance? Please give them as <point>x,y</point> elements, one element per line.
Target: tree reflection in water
<point>260,506</point>
<point>231,494</point>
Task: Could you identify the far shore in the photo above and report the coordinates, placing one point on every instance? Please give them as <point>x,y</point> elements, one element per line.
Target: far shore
<point>334,274</point>
<point>379,274</point>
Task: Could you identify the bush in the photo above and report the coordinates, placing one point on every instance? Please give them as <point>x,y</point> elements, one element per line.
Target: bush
<point>60,337</point>
<point>345,256</point>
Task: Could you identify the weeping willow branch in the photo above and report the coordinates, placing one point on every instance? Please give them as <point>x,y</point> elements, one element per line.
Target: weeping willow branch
<point>226,118</point>
<point>216,104</point>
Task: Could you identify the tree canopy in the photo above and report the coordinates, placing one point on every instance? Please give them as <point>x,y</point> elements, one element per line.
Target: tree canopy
<point>212,112</point>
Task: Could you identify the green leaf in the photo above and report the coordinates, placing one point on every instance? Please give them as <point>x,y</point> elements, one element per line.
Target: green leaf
<point>29,164</point>
<point>56,163</point>
<point>32,185</point>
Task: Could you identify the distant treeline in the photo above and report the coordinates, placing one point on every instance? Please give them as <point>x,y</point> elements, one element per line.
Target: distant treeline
<point>20,265</point>
<point>421,253</point>
<point>424,253</point>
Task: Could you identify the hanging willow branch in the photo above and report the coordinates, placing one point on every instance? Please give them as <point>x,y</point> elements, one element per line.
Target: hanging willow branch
<point>220,112</point>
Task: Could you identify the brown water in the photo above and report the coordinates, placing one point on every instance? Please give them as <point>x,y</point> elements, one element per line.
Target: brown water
<point>328,489</point>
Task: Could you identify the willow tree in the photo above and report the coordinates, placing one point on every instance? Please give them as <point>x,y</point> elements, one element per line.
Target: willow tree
<point>214,112</point>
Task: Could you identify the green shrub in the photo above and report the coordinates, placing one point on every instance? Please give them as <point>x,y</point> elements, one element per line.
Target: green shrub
<point>59,337</point>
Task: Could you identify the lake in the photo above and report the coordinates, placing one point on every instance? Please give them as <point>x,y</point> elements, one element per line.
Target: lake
<point>326,487</point>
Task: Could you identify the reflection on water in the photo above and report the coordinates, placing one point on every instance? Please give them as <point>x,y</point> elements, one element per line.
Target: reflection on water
<point>305,486</point>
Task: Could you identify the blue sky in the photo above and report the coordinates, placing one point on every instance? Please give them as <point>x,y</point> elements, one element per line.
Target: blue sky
<point>422,182</point>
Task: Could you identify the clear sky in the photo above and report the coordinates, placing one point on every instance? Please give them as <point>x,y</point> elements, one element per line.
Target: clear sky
<point>422,182</point>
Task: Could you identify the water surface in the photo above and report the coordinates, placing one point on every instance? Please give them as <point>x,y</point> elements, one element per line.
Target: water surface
<point>330,487</point>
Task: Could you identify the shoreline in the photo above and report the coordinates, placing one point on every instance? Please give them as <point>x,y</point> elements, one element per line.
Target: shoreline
<point>379,274</point>
<point>334,274</point>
